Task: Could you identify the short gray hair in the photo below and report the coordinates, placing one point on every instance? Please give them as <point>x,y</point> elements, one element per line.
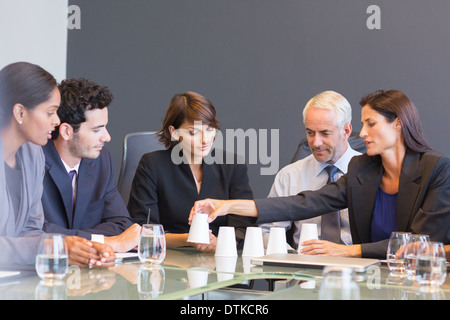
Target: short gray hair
<point>332,100</point>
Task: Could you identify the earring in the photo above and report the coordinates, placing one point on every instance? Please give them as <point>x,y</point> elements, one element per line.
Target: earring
<point>20,121</point>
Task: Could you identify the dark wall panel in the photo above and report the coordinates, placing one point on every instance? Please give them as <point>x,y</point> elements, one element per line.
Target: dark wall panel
<point>260,61</point>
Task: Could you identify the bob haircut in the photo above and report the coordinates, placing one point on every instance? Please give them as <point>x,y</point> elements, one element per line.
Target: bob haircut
<point>187,106</point>
<point>394,104</point>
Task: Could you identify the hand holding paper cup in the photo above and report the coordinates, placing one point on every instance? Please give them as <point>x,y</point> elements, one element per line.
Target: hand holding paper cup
<point>199,230</point>
<point>308,232</point>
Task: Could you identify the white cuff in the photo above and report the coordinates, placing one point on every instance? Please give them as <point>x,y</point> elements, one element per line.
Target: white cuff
<point>98,238</point>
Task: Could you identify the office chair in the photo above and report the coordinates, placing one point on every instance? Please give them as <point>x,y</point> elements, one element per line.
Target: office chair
<point>355,141</point>
<point>135,145</point>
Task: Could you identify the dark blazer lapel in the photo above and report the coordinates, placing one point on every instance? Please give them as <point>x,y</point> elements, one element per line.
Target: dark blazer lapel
<point>207,171</point>
<point>408,190</point>
<point>61,178</point>
<point>85,183</point>
<point>189,176</point>
<point>363,198</point>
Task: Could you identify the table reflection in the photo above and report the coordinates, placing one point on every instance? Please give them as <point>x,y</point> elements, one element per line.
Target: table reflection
<point>188,273</point>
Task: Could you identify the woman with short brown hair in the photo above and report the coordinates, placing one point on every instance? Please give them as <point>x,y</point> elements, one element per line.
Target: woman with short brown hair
<point>168,182</point>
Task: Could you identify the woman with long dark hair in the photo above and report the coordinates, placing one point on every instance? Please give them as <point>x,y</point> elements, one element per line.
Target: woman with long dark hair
<point>401,184</point>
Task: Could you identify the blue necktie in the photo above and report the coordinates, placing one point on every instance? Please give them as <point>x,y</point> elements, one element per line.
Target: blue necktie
<point>330,226</point>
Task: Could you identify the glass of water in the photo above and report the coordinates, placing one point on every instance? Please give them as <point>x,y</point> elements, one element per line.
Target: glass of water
<point>152,244</point>
<point>412,248</point>
<point>431,269</point>
<point>395,255</point>
<point>52,260</point>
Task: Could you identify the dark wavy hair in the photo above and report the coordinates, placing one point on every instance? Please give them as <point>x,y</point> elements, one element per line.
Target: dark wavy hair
<point>392,104</point>
<point>187,106</point>
<point>79,95</point>
<point>24,83</point>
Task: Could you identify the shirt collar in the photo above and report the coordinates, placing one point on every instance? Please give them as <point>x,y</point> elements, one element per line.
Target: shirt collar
<point>341,163</point>
<point>69,168</point>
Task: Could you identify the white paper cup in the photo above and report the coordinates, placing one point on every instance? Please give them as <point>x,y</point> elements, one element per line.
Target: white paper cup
<point>277,241</point>
<point>253,244</point>
<point>199,230</point>
<point>225,267</point>
<point>226,242</point>
<point>308,232</point>
<point>197,277</point>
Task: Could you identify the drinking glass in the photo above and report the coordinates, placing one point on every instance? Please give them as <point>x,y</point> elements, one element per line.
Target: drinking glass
<point>411,250</point>
<point>339,284</point>
<point>395,255</point>
<point>431,269</point>
<point>52,259</point>
<point>152,244</point>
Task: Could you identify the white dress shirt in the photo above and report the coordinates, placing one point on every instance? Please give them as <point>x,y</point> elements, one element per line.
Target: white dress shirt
<point>308,174</point>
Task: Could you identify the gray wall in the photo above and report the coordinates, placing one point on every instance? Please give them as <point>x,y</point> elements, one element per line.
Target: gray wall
<point>260,61</point>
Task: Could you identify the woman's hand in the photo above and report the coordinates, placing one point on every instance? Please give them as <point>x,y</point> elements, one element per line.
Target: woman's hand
<point>83,252</point>
<point>327,248</point>
<point>209,247</point>
<point>212,207</point>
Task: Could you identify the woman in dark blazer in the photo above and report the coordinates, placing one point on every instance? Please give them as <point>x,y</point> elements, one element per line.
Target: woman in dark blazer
<point>168,182</point>
<point>399,185</point>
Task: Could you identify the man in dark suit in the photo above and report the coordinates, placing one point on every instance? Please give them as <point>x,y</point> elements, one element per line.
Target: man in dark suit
<point>80,197</point>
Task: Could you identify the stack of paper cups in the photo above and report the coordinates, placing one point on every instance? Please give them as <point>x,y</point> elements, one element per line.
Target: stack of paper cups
<point>226,242</point>
<point>199,230</point>
<point>277,241</point>
<point>308,232</point>
<point>253,244</point>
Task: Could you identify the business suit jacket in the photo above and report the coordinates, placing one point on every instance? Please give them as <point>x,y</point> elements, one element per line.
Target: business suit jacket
<point>20,231</point>
<point>169,190</point>
<point>423,204</point>
<point>99,207</point>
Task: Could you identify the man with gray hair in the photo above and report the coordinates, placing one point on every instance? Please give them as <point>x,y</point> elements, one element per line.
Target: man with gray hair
<point>327,118</point>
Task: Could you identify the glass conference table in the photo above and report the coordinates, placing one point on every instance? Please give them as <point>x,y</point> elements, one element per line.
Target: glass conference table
<point>188,274</point>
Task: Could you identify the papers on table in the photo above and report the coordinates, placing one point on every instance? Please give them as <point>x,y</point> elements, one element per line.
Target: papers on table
<point>5,274</point>
<point>126,255</point>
